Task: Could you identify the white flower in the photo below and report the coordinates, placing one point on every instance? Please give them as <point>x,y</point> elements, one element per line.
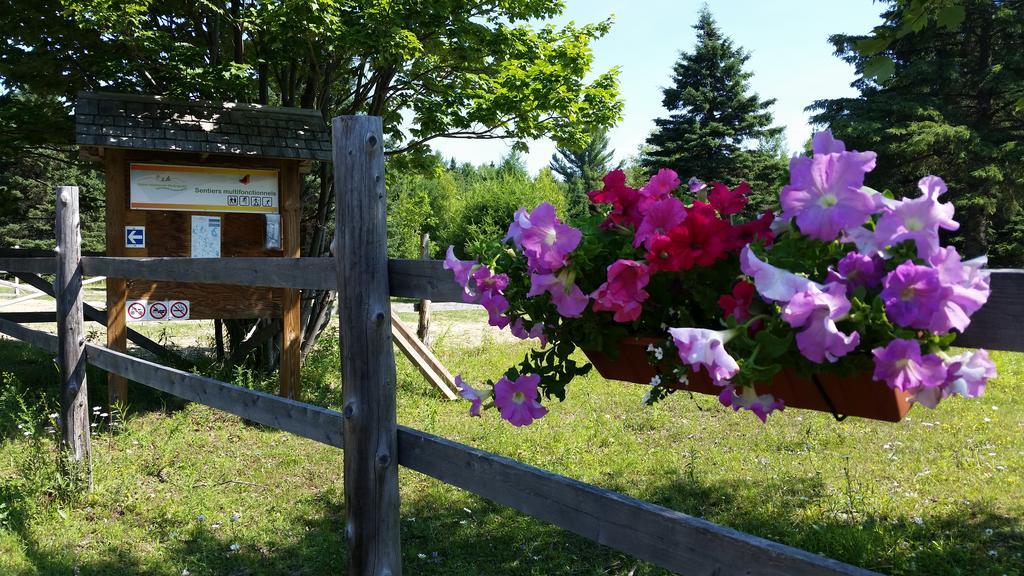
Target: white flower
<point>54,415</point>
<point>235,547</point>
<point>27,433</point>
<point>659,353</point>
<point>650,347</point>
<point>235,517</point>
<point>655,380</point>
<point>104,415</point>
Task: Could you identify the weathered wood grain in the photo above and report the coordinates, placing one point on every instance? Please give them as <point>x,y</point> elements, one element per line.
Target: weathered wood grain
<point>74,395</point>
<point>424,360</point>
<point>33,265</point>
<point>368,362</point>
<point>37,338</point>
<point>670,539</point>
<point>424,279</point>
<point>291,313</point>
<point>998,325</point>
<point>304,420</point>
<point>312,273</point>
<point>115,169</point>
<point>423,324</point>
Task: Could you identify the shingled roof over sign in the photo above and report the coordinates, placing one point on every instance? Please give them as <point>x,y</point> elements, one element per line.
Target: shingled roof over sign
<point>156,123</point>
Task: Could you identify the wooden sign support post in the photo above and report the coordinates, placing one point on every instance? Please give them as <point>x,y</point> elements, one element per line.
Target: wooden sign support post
<point>368,362</point>
<point>74,398</point>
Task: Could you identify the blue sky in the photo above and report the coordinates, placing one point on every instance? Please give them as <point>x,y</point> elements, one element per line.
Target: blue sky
<point>791,59</point>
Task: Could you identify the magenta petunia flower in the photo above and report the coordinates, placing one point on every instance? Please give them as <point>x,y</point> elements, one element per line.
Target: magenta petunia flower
<point>517,399</point>
<point>917,219</point>
<point>816,310</point>
<point>825,193</point>
<point>487,281</point>
<point>748,399</point>
<point>462,269</point>
<point>855,270</point>
<point>543,238</point>
<point>965,290</point>
<point>913,294</point>
<point>772,283</point>
<point>476,397</point>
<point>661,185</point>
<point>567,297</point>
<point>901,366</point>
<point>726,201</point>
<point>701,347</point>
<point>496,304</point>
<point>662,216</point>
<point>624,292</point>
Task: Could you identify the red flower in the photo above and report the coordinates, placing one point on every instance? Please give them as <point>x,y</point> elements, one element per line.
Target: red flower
<point>728,201</point>
<point>737,304</point>
<point>671,252</point>
<point>625,201</point>
<point>760,229</point>
<point>701,240</point>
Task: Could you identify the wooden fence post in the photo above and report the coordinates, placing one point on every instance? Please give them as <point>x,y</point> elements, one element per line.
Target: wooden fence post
<point>423,327</point>
<point>74,399</point>
<point>368,362</point>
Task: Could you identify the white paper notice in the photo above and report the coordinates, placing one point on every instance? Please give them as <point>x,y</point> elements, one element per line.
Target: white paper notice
<point>206,236</point>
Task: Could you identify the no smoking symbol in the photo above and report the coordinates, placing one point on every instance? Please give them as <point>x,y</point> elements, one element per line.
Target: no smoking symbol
<point>158,310</point>
<point>136,310</point>
<point>179,310</point>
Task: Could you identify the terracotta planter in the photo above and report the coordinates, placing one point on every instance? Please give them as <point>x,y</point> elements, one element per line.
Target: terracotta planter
<point>855,395</point>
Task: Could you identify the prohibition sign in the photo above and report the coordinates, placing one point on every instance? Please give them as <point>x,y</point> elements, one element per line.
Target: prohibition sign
<point>179,310</point>
<point>136,310</point>
<point>158,310</point>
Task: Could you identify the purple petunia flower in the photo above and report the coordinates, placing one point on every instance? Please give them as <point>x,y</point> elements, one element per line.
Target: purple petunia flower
<point>543,238</point>
<point>825,193</point>
<point>968,373</point>
<point>816,310</point>
<point>476,397</point>
<point>966,289</point>
<point>856,269</point>
<point>901,366</point>
<point>518,330</point>
<point>517,399</point>
<point>496,304</point>
<point>748,399</point>
<point>772,283</point>
<point>462,269</point>
<point>917,219</point>
<point>695,185</point>
<point>701,347</point>
<point>912,295</point>
<point>567,297</point>
<point>662,216</point>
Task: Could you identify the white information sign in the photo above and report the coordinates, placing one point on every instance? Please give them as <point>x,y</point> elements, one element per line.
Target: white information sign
<point>146,311</point>
<point>203,189</point>
<point>206,236</point>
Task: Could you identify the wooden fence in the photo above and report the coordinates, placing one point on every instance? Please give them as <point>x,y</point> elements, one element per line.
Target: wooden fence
<point>374,445</point>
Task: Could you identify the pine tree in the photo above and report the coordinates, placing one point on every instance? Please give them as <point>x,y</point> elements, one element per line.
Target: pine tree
<point>582,169</point>
<point>953,106</point>
<point>712,112</point>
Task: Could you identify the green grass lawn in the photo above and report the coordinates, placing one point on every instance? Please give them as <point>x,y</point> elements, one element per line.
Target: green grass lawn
<point>176,486</point>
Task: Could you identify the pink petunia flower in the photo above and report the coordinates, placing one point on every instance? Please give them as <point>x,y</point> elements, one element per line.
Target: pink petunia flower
<point>825,193</point>
<point>517,399</point>
<point>663,216</point>
<point>476,397</point>
<point>699,347</point>
<point>748,399</point>
<point>567,297</point>
<point>772,283</point>
<point>918,219</point>
<point>966,289</point>
<point>625,201</point>
<point>543,238</point>
<point>901,366</point>
<point>816,310</point>
<point>661,185</point>
<point>727,201</point>
<point>737,304</point>
<point>623,293</point>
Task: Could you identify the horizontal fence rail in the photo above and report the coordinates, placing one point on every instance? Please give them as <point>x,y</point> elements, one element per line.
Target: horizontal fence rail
<point>664,537</point>
<point>302,273</point>
<point>34,264</point>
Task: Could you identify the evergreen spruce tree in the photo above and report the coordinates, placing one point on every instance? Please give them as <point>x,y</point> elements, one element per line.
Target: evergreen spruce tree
<point>712,113</point>
<point>582,169</point>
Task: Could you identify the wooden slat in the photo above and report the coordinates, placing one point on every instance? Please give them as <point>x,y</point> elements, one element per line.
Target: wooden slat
<point>423,279</point>
<point>305,273</point>
<point>304,420</point>
<point>998,325</point>
<point>29,317</point>
<point>367,359</point>
<point>670,539</point>
<point>35,265</point>
<point>421,357</point>
<point>37,338</point>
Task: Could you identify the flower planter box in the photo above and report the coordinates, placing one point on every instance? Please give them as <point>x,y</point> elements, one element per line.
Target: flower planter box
<point>856,395</point>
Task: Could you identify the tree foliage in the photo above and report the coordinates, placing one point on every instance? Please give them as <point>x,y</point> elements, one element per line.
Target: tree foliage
<point>582,169</point>
<point>712,113</point>
<point>951,107</point>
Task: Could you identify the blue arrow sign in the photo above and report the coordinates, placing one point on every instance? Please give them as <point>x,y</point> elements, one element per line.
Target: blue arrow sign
<point>134,236</point>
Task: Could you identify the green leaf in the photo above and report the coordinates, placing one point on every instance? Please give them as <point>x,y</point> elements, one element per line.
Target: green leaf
<point>879,68</point>
<point>950,17</point>
<point>872,46</point>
